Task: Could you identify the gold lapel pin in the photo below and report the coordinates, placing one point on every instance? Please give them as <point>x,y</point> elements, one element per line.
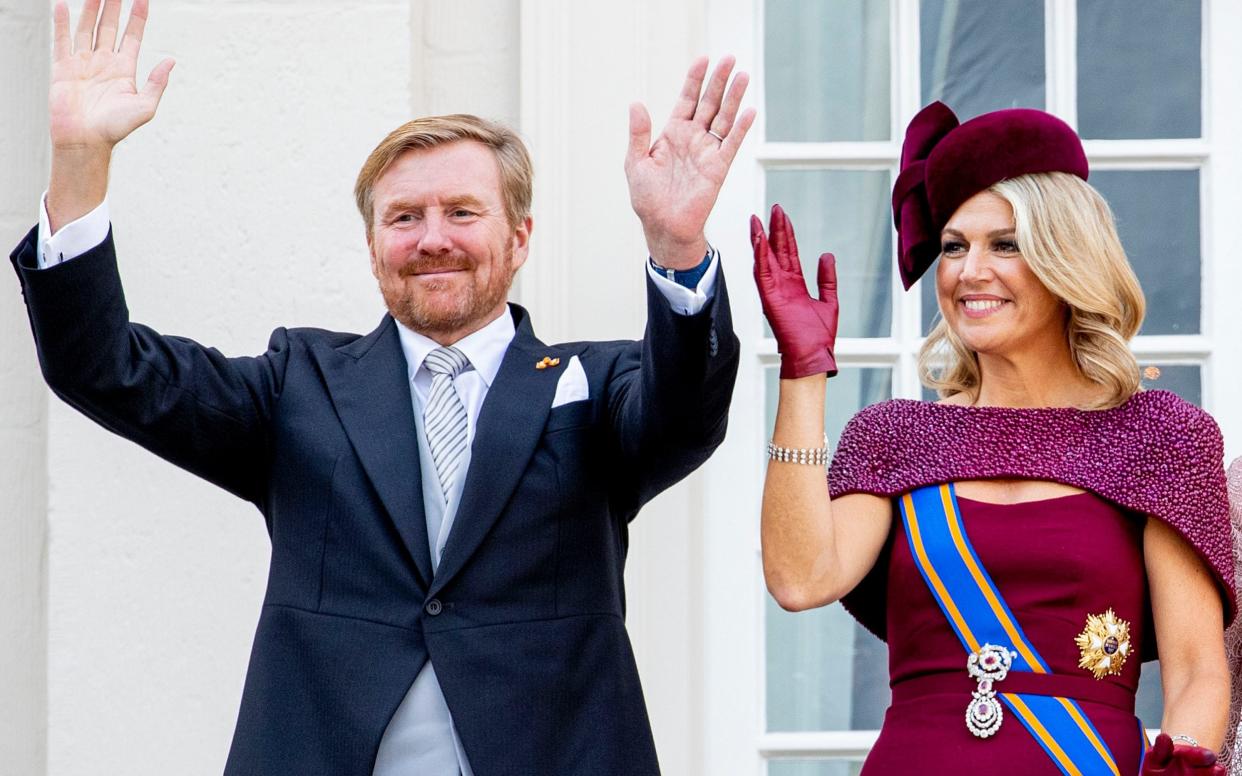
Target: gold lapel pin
<point>547,362</point>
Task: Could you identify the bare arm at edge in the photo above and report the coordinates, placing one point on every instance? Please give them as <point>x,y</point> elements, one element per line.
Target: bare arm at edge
<point>815,550</point>
<point>1189,621</point>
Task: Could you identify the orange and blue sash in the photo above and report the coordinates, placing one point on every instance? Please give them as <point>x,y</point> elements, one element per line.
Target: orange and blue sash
<point>979,615</point>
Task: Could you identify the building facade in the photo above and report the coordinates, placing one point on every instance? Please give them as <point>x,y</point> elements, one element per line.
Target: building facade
<point>129,590</point>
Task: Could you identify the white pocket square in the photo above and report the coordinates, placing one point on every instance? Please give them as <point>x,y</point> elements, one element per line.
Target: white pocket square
<point>573,384</point>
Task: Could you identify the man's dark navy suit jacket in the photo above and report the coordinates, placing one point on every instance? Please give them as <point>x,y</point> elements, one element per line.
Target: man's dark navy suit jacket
<point>524,618</point>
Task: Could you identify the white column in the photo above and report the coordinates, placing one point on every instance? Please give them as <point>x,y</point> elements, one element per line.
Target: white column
<point>24,46</point>
<point>581,65</point>
<point>1222,122</point>
<point>464,58</point>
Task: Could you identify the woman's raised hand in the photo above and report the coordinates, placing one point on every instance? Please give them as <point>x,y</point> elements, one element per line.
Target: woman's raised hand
<point>94,102</point>
<point>805,327</point>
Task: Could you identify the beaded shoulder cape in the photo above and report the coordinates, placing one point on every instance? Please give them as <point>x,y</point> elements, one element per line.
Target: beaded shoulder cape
<point>1156,455</point>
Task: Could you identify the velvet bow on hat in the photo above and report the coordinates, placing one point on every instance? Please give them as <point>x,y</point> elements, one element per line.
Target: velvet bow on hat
<point>944,163</point>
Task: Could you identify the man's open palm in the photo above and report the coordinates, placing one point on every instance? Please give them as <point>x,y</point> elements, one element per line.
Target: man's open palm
<point>674,183</point>
<point>94,101</point>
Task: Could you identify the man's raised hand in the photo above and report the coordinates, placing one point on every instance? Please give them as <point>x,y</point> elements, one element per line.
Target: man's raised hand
<point>674,183</point>
<point>94,101</point>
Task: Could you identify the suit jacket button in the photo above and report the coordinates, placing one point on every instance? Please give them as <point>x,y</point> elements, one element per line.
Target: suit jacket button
<point>713,343</point>
<point>433,607</point>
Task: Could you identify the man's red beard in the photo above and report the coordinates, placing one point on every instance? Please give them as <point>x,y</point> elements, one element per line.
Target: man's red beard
<point>470,307</point>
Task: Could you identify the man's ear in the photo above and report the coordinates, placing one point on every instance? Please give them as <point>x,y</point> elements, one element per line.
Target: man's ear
<point>521,242</point>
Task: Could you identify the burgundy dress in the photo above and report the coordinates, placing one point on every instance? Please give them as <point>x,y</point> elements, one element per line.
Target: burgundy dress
<point>1055,561</point>
<point>1086,557</point>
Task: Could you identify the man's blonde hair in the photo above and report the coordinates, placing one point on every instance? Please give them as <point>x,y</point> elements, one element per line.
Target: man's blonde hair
<point>516,173</point>
<point>1066,234</point>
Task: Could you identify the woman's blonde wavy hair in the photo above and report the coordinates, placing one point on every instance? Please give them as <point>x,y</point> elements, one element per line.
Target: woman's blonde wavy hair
<point>1066,234</point>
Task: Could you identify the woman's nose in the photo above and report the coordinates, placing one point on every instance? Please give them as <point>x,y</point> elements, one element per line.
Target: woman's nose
<point>974,265</point>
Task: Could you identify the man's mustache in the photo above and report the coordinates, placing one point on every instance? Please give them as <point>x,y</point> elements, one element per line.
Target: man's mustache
<point>422,265</point>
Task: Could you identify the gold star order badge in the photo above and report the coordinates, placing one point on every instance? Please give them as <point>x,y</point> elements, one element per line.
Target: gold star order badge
<point>1104,644</point>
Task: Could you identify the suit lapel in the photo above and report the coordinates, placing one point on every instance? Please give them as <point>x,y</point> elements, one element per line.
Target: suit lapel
<point>370,388</point>
<point>510,425</point>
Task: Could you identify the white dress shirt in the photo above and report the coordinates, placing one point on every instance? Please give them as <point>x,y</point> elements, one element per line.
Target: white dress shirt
<point>421,736</point>
<point>485,349</point>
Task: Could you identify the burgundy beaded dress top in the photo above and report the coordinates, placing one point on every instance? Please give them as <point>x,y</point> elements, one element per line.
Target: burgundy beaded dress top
<point>1057,562</point>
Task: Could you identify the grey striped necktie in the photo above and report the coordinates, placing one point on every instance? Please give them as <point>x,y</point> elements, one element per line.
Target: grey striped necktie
<point>444,417</point>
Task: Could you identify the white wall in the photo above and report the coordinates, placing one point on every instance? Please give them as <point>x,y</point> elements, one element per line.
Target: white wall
<point>129,591</point>
<point>233,214</point>
<point>23,404</point>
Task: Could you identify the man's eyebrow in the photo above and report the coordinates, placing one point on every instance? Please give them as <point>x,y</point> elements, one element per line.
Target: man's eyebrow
<point>401,204</point>
<point>463,199</point>
<point>449,202</point>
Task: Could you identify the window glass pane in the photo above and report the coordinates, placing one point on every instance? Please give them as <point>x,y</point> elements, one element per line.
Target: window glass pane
<point>814,767</point>
<point>978,57</point>
<point>930,310</point>
<point>1149,703</point>
<point>1158,219</point>
<point>1183,380</point>
<point>826,70</point>
<point>852,389</point>
<point>845,212</point>
<point>1139,68</point>
<point>824,671</point>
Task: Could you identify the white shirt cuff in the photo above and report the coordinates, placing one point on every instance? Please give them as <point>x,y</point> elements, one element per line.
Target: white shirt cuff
<point>74,238</point>
<point>688,301</point>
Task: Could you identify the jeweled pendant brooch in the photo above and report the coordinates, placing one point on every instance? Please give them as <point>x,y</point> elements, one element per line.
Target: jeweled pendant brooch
<point>1104,644</point>
<point>988,666</point>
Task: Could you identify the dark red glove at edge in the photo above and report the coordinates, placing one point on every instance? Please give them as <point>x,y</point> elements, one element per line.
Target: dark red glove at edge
<point>1169,759</point>
<point>805,328</point>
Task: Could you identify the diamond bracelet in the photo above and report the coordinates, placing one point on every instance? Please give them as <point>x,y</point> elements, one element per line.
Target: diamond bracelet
<point>811,456</point>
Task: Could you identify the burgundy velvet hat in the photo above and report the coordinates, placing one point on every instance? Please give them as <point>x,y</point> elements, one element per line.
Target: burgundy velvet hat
<point>944,163</point>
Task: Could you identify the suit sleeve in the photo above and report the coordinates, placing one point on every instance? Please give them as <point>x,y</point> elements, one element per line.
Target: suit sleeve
<point>185,402</point>
<point>669,397</point>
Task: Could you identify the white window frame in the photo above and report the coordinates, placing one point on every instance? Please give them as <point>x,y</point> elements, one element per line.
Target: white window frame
<point>734,739</point>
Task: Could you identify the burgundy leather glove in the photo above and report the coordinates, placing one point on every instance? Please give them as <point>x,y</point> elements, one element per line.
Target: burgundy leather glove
<point>805,328</point>
<point>1169,759</point>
